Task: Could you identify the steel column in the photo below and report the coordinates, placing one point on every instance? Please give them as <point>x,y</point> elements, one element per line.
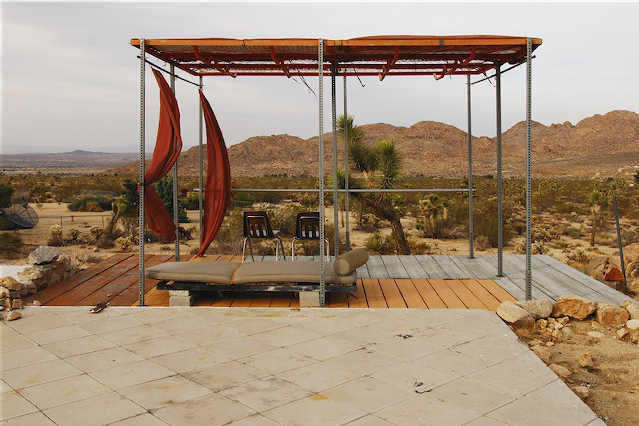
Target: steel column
<point>142,159</point>
<point>500,214</point>
<point>200,161</point>
<point>346,212</point>
<point>335,196</point>
<point>175,186</point>
<point>471,236</point>
<point>619,239</point>
<point>528,167</point>
<point>322,295</point>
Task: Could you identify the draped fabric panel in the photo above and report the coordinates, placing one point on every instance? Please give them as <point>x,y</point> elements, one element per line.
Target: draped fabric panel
<point>167,150</point>
<point>217,190</point>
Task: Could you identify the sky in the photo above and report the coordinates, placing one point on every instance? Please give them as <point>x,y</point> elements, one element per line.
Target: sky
<point>70,79</point>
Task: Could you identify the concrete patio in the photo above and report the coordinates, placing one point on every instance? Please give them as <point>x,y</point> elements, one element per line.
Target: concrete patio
<point>213,366</point>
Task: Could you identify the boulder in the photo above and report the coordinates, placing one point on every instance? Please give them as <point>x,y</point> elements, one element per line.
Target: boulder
<point>611,315</point>
<point>585,360</point>
<point>4,292</point>
<point>538,309</point>
<point>516,316</point>
<point>543,352</point>
<point>12,315</point>
<point>582,392</point>
<point>632,309</point>
<point>574,307</point>
<point>10,283</point>
<point>622,333</point>
<point>560,370</point>
<point>596,334</point>
<point>42,255</point>
<point>633,325</point>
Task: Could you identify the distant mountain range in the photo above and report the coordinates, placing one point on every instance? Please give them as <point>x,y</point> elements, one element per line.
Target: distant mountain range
<point>66,161</point>
<point>598,146</point>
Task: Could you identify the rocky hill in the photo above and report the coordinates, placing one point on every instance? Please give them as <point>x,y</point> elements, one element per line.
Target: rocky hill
<point>598,146</point>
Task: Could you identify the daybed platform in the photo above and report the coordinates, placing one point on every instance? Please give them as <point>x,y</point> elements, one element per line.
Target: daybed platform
<point>293,276</point>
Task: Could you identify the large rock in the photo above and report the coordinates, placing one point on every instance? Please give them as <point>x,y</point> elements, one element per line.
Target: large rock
<point>560,370</point>
<point>541,308</point>
<point>632,308</point>
<point>42,255</point>
<point>633,325</point>
<point>605,270</point>
<point>576,307</point>
<point>10,283</point>
<point>611,315</point>
<point>516,316</point>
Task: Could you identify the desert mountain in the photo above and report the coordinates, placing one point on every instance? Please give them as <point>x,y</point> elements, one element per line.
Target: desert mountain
<point>598,146</point>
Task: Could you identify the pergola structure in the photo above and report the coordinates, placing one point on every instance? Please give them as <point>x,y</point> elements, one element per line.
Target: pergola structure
<point>379,56</point>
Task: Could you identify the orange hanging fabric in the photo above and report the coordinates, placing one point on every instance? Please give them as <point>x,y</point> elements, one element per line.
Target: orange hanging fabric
<point>167,150</point>
<point>217,190</point>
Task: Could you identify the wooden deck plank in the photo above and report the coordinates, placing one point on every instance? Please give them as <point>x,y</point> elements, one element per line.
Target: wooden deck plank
<point>204,298</point>
<point>73,295</point>
<point>431,267</point>
<point>262,300</point>
<point>465,295</point>
<point>46,295</point>
<point>391,292</point>
<point>243,299</point>
<point>451,268</point>
<point>295,302</point>
<point>374,294</point>
<point>120,284</point>
<point>338,300</point>
<point>394,267</point>
<point>162,299</point>
<point>376,268</point>
<point>358,300</point>
<point>482,294</point>
<point>496,290</point>
<point>281,300</point>
<point>410,294</point>
<point>447,295</point>
<point>413,267</point>
<point>476,266</point>
<point>223,300</point>
<point>428,293</point>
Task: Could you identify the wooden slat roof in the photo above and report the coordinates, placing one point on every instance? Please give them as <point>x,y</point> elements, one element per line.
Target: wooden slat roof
<point>376,55</point>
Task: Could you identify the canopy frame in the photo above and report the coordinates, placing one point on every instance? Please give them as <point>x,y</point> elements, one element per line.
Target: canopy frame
<point>381,56</point>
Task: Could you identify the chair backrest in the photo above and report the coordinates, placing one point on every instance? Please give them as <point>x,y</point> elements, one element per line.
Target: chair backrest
<point>307,226</point>
<point>257,225</point>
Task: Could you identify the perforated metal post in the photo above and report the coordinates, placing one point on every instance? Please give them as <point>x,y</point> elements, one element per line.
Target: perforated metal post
<point>175,186</point>
<point>320,95</point>
<point>200,161</point>
<point>142,159</point>
<point>471,232</point>
<point>500,215</point>
<point>335,199</point>
<point>528,166</point>
<point>346,197</point>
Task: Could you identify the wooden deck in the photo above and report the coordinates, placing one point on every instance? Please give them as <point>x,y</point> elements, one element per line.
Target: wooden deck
<point>386,282</point>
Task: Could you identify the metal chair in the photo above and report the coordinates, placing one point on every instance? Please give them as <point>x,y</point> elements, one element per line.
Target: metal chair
<point>307,228</point>
<point>257,225</point>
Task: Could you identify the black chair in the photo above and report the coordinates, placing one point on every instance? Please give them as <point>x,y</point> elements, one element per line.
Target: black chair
<point>307,228</point>
<point>257,225</point>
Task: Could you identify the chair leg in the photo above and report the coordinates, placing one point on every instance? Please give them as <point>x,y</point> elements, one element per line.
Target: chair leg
<point>277,251</point>
<point>277,246</point>
<point>293,249</point>
<point>328,249</point>
<point>283,250</point>
<point>250,241</point>
<point>244,248</point>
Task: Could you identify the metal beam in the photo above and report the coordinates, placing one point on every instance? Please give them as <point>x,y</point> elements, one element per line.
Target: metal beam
<point>200,160</point>
<point>528,167</point>
<point>322,292</point>
<point>500,213</point>
<point>471,236</point>
<point>335,199</point>
<point>396,190</point>
<point>346,211</point>
<point>141,224</point>
<point>175,186</point>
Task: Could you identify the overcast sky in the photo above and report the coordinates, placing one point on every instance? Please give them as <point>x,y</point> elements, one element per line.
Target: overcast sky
<point>71,79</point>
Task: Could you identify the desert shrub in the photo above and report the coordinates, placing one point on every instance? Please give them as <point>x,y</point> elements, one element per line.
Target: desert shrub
<point>73,235</point>
<point>105,241</point>
<point>90,204</point>
<point>130,225</point>
<point>422,247</point>
<point>6,191</point>
<point>537,247</point>
<point>124,244</point>
<point>486,224</point>
<point>164,188</point>
<point>379,244</point>
<point>192,201</point>
<point>56,237</point>
<point>579,256</point>
<point>482,243</point>
<point>10,242</point>
<point>6,224</point>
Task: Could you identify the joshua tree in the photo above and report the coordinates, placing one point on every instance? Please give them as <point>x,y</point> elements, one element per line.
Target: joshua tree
<point>380,167</point>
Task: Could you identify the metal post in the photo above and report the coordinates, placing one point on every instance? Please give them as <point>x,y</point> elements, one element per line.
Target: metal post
<point>142,159</point>
<point>320,61</point>
<point>500,215</point>
<point>346,213</point>
<point>335,199</point>
<point>200,161</point>
<point>619,240</point>
<point>175,186</point>
<point>471,237</point>
<point>528,167</point>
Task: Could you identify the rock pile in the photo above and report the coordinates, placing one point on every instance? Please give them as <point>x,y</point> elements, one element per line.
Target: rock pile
<point>551,320</point>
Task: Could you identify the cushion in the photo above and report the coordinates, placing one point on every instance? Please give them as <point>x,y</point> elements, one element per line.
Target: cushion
<point>350,261</point>
<point>198,271</point>
<point>299,271</point>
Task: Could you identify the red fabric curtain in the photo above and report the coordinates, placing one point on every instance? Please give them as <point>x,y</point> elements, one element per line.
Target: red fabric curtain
<point>217,190</point>
<point>167,150</point>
